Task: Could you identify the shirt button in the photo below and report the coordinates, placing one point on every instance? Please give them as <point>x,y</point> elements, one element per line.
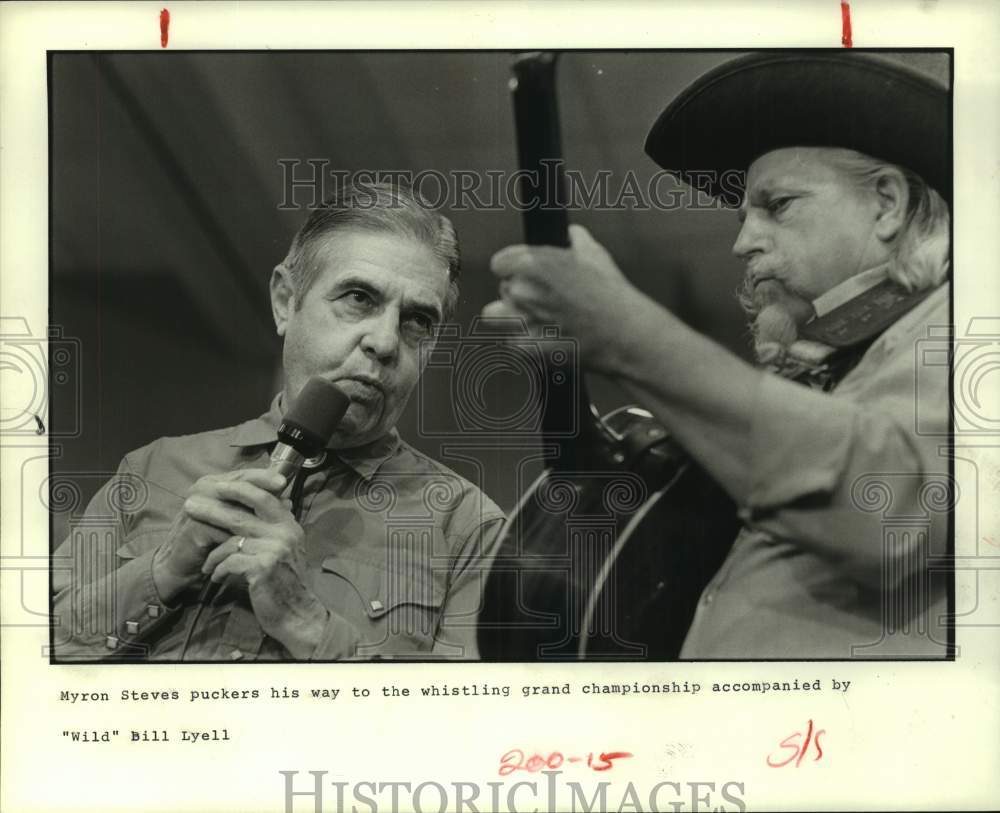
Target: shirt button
<point>235,655</point>
<point>111,642</point>
<point>710,597</point>
<point>153,611</point>
<point>376,605</point>
<point>132,627</point>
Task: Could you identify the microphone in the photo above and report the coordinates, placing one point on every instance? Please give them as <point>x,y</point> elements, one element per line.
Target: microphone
<point>306,428</point>
<point>308,425</point>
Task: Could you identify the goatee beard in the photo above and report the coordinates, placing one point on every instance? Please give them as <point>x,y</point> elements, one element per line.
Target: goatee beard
<point>775,316</point>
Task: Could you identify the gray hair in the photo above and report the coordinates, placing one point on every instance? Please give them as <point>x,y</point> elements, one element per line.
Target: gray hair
<point>379,207</point>
<point>921,256</point>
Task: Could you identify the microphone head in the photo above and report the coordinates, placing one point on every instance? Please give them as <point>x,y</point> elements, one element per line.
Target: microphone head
<point>313,416</point>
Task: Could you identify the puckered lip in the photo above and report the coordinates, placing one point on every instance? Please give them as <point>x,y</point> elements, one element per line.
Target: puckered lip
<point>370,380</point>
<point>758,275</point>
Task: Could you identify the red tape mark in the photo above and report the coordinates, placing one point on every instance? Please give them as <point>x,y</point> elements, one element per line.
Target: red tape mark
<point>164,27</point>
<point>845,19</point>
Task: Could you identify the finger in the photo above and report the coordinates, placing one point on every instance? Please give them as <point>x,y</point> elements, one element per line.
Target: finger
<point>239,564</point>
<point>265,479</point>
<point>580,236</point>
<point>506,321</point>
<point>507,260</point>
<point>263,503</point>
<point>232,518</point>
<point>228,548</point>
<point>501,310</point>
<point>521,292</point>
<point>529,261</point>
<point>203,535</point>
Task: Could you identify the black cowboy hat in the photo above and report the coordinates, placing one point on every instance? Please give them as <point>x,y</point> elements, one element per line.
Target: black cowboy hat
<point>754,104</point>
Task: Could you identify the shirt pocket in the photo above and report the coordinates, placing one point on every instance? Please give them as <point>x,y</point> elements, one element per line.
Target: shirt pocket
<point>396,611</point>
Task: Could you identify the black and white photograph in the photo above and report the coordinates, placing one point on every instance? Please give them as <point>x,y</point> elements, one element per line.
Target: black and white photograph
<point>499,407</point>
<point>396,321</point>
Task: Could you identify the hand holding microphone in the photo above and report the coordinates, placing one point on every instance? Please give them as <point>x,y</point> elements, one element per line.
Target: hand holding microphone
<point>223,509</point>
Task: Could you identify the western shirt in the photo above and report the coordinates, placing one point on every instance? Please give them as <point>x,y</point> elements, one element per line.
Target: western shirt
<point>844,551</point>
<point>398,548</point>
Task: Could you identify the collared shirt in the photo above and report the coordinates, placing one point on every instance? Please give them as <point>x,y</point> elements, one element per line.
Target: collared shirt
<point>398,549</point>
<point>849,289</point>
<point>846,511</point>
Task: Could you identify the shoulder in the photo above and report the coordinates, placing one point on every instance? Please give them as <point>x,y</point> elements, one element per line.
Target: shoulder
<point>441,488</point>
<point>895,360</point>
<point>185,458</point>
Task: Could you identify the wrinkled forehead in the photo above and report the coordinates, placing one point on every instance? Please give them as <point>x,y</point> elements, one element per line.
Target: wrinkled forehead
<point>799,166</point>
<point>388,261</point>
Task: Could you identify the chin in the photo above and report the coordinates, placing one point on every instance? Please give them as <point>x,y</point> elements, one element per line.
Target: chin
<point>774,329</point>
<point>359,426</point>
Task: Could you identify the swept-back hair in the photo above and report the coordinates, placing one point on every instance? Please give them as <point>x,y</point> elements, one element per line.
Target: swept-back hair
<point>379,207</point>
<point>921,252</point>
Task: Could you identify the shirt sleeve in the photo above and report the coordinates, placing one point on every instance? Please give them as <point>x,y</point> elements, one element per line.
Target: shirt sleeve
<point>340,639</point>
<point>831,471</point>
<point>456,635</point>
<point>104,600</point>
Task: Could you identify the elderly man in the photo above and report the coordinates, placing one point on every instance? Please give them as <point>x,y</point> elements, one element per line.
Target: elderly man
<point>380,552</point>
<point>845,237</point>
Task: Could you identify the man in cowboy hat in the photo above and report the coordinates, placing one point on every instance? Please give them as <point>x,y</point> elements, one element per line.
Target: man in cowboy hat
<point>845,235</point>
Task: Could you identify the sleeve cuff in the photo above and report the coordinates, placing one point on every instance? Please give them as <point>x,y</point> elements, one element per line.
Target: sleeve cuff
<point>339,640</point>
<point>138,607</point>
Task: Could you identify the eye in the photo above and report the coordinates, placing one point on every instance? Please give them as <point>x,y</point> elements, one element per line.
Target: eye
<point>358,298</point>
<point>420,323</point>
<point>778,205</point>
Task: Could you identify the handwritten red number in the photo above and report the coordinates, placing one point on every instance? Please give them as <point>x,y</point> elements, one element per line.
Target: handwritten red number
<point>508,764</point>
<point>514,760</point>
<point>607,756</point>
<point>534,763</point>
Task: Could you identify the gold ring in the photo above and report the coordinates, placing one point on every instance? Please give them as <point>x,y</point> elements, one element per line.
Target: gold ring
<point>239,545</point>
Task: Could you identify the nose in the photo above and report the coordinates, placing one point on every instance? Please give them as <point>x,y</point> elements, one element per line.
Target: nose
<point>380,339</point>
<point>751,240</point>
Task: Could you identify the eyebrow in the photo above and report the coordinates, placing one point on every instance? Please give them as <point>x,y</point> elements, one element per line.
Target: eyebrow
<point>429,309</point>
<point>769,190</point>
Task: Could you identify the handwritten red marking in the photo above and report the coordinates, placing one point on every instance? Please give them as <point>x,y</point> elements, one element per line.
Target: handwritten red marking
<point>799,752</point>
<point>164,27</point>
<point>845,22</point>
<point>989,541</point>
<point>606,758</point>
<point>514,760</point>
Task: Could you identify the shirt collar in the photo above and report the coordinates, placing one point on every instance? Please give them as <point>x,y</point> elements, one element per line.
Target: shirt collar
<point>365,460</point>
<point>849,289</point>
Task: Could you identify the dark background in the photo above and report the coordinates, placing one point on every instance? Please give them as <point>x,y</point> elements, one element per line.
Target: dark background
<point>166,188</point>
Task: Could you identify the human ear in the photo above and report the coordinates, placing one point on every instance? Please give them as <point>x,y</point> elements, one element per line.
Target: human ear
<point>282,297</point>
<point>893,195</point>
